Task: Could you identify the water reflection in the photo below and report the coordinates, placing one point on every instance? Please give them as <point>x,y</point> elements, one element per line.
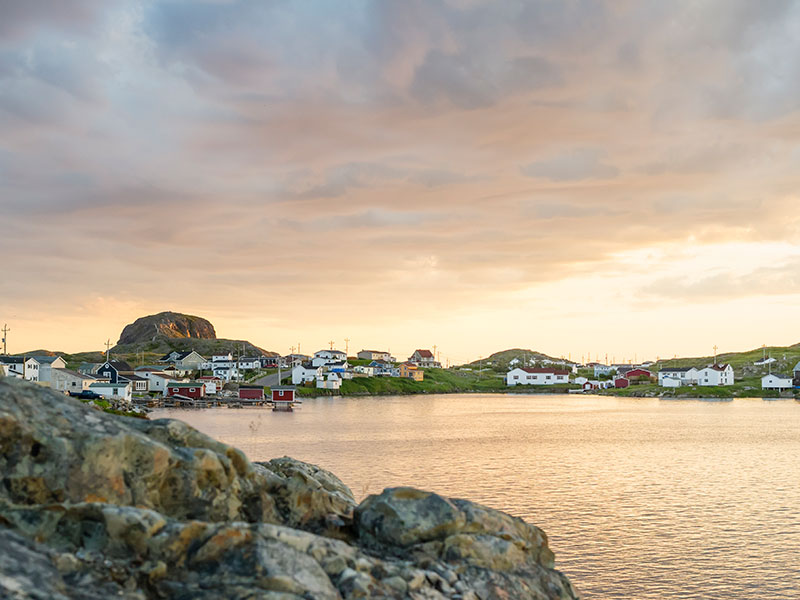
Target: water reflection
<point>642,498</point>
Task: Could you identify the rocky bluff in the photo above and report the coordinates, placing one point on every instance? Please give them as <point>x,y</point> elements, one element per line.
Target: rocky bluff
<point>93,506</point>
<point>166,325</point>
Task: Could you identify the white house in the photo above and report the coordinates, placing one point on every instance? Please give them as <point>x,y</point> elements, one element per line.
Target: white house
<point>158,381</point>
<point>776,382</point>
<point>528,376</point>
<point>324,357</point>
<point>424,358</point>
<point>47,364</point>
<point>112,391</point>
<point>375,355</point>
<point>765,361</point>
<point>580,380</point>
<point>248,363</point>
<point>670,382</point>
<point>365,370</point>
<point>66,380</point>
<point>24,368</point>
<point>305,373</point>
<point>329,381</point>
<point>715,375</point>
<point>603,370</point>
<point>796,370</point>
<point>686,375</point>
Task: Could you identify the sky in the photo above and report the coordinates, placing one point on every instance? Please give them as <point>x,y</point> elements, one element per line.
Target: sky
<point>582,178</point>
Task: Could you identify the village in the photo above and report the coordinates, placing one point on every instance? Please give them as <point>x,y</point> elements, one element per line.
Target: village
<point>188,379</point>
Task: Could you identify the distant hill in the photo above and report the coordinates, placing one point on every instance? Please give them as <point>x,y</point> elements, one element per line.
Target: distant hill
<point>501,360</point>
<point>166,326</point>
<point>786,357</point>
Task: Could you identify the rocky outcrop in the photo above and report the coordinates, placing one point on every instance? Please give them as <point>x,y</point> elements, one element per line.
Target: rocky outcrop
<point>166,325</point>
<point>93,505</point>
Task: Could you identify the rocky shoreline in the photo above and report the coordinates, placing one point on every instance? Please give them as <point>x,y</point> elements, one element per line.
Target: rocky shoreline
<point>94,505</point>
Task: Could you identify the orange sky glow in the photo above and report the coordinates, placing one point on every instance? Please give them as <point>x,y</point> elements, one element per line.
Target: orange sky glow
<point>580,178</point>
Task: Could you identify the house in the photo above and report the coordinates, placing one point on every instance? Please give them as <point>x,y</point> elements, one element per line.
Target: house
<point>21,367</point>
<point>282,397</point>
<point>184,361</point>
<point>774,381</point>
<point>337,367</point>
<point>112,370</point>
<point>66,380</point>
<point>796,372</point>
<point>365,370</point>
<point>249,363</point>
<point>189,389</point>
<point>638,375</point>
<point>408,370</point>
<point>324,357</point>
<point>305,374</point>
<point>47,364</point>
<point>329,381</point>
<point>375,355</point>
<point>621,382</point>
<point>542,376</point>
<point>594,384</point>
<point>600,370</point>
<point>270,362</point>
<point>381,367</point>
<point>211,383</point>
<point>292,360</point>
<point>715,375</point>
<point>686,375</point>
<point>670,382</point>
<point>156,380</point>
<point>112,391</point>
<point>138,383</point>
<point>580,380</point>
<point>765,361</point>
<point>425,359</point>
<point>251,392</point>
<point>88,368</point>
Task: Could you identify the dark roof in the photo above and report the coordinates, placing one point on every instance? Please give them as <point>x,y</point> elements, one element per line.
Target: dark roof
<point>11,360</point>
<point>718,367</point>
<point>120,365</point>
<point>677,369</point>
<point>46,359</point>
<point>168,355</point>
<point>552,371</point>
<point>284,388</point>
<point>131,376</point>
<point>251,387</point>
<point>182,384</point>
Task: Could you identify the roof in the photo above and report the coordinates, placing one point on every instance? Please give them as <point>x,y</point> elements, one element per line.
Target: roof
<point>131,376</point>
<point>329,352</point>
<point>185,384</point>
<point>46,359</point>
<point>552,371</point>
<point>120,365</point>
<point>11,360</point>
<point>75,374</point>
<point>108,384</point>
<point>718,367</point>
<point>283,388</point>
<point>796,367</point>
<point>168,356</point>
<point>677,369</point>
<point>251,387</point>
<point>778,375</point>
<point>424,353</point>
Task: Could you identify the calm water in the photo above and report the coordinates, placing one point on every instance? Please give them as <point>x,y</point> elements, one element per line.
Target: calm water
<point>641,498</point>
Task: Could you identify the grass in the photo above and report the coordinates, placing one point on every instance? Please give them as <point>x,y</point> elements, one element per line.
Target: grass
<point>748,387</point>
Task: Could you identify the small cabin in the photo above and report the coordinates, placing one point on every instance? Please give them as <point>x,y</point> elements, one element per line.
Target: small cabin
<point>251,392</point>
<point>283,397</point>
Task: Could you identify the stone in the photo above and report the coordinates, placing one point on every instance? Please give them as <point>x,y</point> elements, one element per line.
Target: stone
<point>94,505</point>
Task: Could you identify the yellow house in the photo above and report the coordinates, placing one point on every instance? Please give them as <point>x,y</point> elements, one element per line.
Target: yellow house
<point>410,371</point>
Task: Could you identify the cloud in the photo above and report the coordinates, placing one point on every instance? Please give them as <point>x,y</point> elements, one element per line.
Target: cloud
<point>575,165</point>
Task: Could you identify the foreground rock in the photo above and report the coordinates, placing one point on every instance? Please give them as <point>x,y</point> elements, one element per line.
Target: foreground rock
<point>94,506</point>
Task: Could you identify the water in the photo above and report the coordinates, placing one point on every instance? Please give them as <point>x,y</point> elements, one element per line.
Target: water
<point>641,498</point>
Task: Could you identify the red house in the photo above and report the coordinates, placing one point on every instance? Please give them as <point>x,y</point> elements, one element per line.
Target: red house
<point>621,382</point>
<point>639,376</point>
<point>251,392</point>
<point>283,398</point>
<point>190,389</point>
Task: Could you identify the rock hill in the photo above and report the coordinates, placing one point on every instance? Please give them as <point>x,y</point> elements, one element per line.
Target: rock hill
<point>94,506</point>
<point>167,325</point>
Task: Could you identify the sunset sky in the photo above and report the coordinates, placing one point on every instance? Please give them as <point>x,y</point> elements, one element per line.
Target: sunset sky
<point>574,177</point>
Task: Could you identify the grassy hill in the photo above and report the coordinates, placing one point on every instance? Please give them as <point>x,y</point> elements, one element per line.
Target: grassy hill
<point>500,361</point>
<point>743,362</point>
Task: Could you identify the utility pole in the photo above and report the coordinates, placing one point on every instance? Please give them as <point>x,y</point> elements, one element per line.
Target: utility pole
<point>332,343</point>
<point>298,347</point>
<point>108,348</point>
<point>346,346</point>
<point>5,335</point>
<point>715,354</point>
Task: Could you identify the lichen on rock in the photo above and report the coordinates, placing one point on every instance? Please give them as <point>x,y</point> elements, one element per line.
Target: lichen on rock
<point>94,505</point>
